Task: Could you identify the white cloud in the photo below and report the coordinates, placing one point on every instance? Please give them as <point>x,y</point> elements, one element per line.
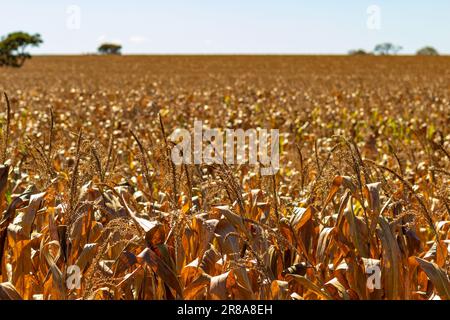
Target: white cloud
<point>104,38</point>
<point>101,38</point>
<point>137,39</point>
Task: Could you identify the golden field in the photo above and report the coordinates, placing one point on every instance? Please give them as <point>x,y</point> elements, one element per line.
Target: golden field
<point>87,179</point>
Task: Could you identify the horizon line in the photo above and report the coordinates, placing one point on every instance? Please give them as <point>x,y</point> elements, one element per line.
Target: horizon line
<point>231,54</point>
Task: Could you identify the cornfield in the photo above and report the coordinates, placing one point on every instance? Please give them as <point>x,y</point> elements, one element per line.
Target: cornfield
<point>87,181</point>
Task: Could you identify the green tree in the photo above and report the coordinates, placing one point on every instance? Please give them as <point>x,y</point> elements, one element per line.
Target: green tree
<point>427,51</point>
<point>13,48</point>
<point>387,49</point>
<point>110,48</point>
<point>358,52</point>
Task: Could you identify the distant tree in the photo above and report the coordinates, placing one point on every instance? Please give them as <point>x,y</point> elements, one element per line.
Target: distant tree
<point>387,49</point>
<point>427,51</point>
<point>358,52</point>
<point>13,48</point>
<point>110,49</point>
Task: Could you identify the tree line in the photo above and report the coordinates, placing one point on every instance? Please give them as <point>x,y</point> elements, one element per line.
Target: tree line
<point>14,45</point>
<point>387,48</point>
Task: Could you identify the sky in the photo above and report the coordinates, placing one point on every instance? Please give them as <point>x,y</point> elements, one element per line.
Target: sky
<point>230,26</point>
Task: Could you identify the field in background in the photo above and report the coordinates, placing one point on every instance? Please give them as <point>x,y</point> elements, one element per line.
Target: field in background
<point>364,180</point>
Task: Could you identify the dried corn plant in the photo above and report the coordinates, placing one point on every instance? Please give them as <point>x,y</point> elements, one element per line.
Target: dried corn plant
<point>92,207</point>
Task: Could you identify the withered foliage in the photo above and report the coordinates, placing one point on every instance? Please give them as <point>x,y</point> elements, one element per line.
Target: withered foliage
<point>364,181</point>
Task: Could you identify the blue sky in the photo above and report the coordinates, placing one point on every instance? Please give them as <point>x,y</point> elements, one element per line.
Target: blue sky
<point>230,26</point>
